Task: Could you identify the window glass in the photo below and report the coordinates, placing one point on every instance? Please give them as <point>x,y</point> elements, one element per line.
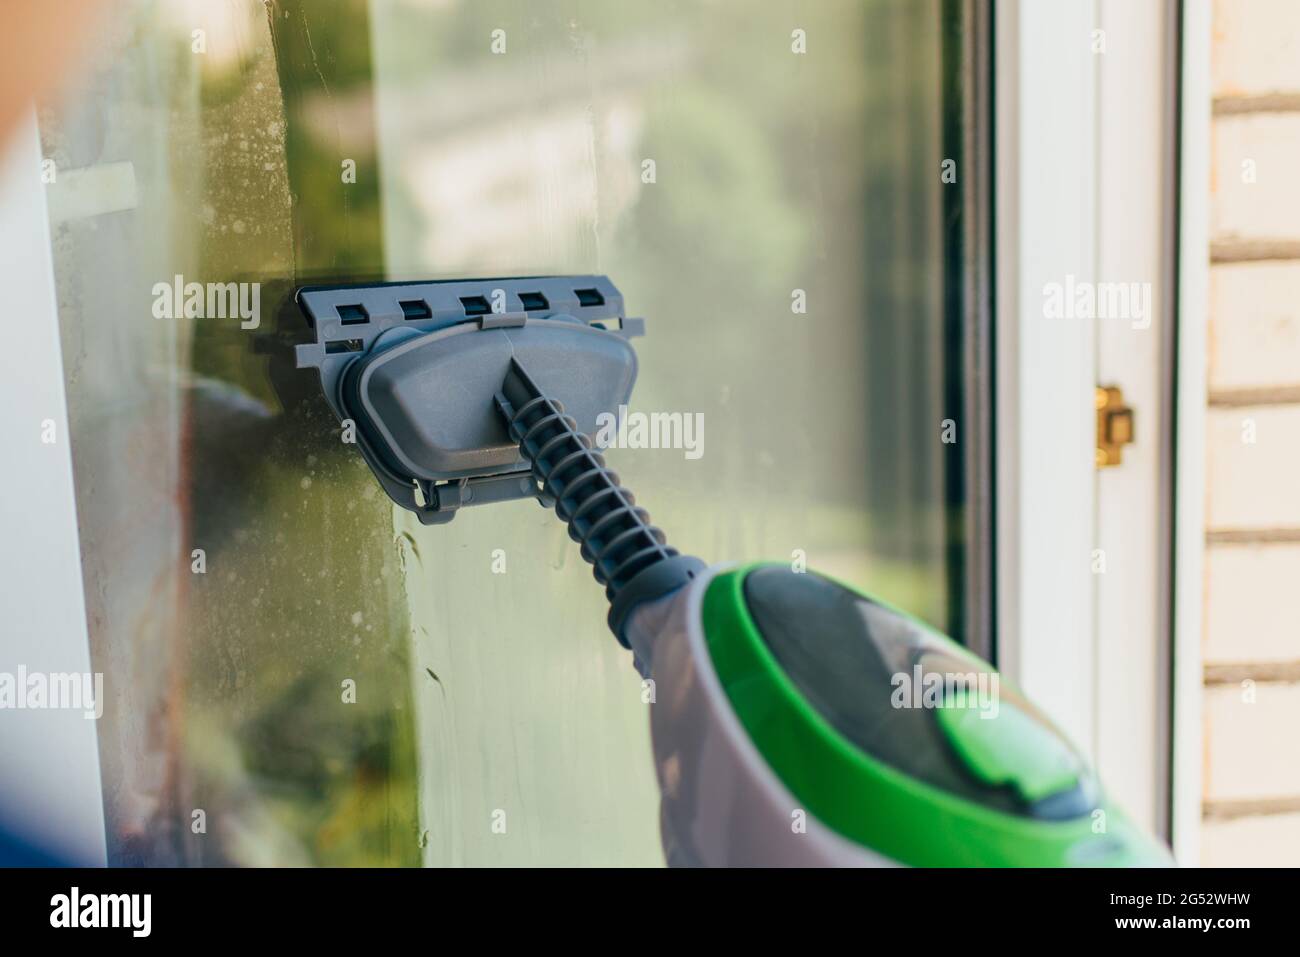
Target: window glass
<point>298,672</point>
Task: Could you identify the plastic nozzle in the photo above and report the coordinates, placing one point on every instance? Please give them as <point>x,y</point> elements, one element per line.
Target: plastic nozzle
<point>615,533</point>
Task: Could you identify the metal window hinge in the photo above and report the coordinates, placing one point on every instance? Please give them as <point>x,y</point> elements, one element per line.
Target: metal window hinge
<point>1114,425</point>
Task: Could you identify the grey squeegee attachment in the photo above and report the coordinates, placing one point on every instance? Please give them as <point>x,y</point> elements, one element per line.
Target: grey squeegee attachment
<point>469,392</point>
<point>415,369</point>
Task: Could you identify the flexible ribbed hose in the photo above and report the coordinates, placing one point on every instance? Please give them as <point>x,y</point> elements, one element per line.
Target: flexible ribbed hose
<point>615,534</point>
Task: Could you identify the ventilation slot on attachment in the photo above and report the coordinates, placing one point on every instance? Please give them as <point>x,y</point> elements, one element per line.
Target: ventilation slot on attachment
<point>589,297</point>
<point>533,301</point>
<point>416,309</point>
<point>475,305</point>
<point>351,315</point>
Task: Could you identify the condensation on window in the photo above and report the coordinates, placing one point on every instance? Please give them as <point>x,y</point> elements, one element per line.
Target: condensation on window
<point>244,592</point>
<point>762,183</point>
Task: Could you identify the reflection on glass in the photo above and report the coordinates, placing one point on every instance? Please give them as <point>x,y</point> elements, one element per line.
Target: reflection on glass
<point>239,567</point>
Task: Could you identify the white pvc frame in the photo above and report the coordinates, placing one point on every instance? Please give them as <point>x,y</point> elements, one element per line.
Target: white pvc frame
<point>1047,226</point>
<point>51,792</point>
<point>1189,514</point>
<point>1045,89</point>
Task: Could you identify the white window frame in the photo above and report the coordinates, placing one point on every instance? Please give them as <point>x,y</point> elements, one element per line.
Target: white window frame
<point>51,792</point>
<point>1192,362</point>
<point>1046,229</point>
<point>1050,198</point>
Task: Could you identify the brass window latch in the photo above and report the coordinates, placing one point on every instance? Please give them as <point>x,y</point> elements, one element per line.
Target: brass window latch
<point>1114,425</point>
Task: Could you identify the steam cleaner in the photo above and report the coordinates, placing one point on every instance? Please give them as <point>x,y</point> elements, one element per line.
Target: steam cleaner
<point>798,721</point>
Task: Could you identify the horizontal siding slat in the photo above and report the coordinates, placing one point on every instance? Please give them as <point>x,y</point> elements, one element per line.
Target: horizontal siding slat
<point>1267,841</point>
<point>1252,750</point>
<point>1267,207</point>
<point>1252,604</point>
<point>1256,47</point>
<point>1253,484</point>
<point>1254,340</point>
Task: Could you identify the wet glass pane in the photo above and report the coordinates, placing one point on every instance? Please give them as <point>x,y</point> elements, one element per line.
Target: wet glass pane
<point>297,671</point>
